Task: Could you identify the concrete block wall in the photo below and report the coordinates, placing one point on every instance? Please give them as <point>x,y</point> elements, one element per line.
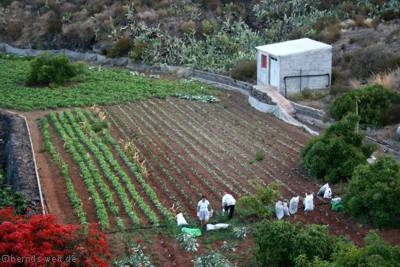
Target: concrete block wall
<point>310,63</point>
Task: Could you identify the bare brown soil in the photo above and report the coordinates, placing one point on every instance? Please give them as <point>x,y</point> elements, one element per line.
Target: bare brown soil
<point>53,186</point>
<point>228,135</point>
<point>193,148</point>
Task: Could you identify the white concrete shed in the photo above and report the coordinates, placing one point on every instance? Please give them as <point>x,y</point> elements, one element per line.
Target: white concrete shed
<point>292,66</point>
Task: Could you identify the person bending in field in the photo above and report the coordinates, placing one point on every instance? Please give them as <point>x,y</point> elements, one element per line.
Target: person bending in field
<point>228,204</point>
<point>203,211</point>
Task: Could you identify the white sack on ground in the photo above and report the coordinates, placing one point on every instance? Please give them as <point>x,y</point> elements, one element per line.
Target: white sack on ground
<point>309,203</point>
<point>322,189</point>
<point>286,209</point>
<point>279,210</point>
<point>328,193</point>
<point>211,227</point>
<point>180,220</point>
<point>294,204</point>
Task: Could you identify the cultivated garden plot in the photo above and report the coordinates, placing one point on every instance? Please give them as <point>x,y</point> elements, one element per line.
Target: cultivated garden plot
<point>124,166</point>
<point>114,183</point>
<point>193,148</point>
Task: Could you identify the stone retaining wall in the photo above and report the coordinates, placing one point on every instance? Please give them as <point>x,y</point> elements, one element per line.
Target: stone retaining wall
<point>18,159</point>
<point>308,111</point>
<point>217,78</point>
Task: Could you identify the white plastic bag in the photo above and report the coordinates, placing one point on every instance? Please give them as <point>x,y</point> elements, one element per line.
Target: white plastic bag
<point>328,193</point>
<point>221,226</point>
<point>279,210</point>
<point>294,204</point>
<point>286,209</point>
<point>309,203</point>
<point>180,220</point>
<point>211,227</point>
<point>322,189</point>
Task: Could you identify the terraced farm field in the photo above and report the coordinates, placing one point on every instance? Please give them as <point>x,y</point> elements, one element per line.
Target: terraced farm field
<point>163,152</point>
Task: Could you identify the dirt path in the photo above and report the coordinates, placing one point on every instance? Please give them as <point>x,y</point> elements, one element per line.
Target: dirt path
<point>53,185</point>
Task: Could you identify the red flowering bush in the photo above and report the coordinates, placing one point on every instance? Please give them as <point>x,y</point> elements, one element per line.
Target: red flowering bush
<point>38,241</point>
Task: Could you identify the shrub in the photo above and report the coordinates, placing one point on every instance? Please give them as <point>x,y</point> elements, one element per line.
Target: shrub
<point>280,243</point>
<point>9,198</point>
<point>138,48</point>
<point>260,204</point>
<point>40,236</point>
<point>372,101</point>
<point>388,80</point>
<point>207,27</point>
<point>335,154</point>
<point>330,35</point>
<point>120,48</point>
<point>373,192</point>
<point>245,71</point>
<point>373,59</point>
<point>46,69</point>
<point>359,20</point>
<point>188,26</point>
<point>376,252</point>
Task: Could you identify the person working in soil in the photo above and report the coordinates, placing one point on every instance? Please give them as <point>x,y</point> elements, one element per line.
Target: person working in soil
<point>204,211</point>
<point>228,204</point>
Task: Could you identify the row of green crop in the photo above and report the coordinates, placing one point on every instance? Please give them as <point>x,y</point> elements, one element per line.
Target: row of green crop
<point>194,135</point>
<point>75,131</point>
<point>90,87</point>
<point>240,147</point>
<point>133,166</point>
<point>183,142</point>
<point>247,145</point>
<point>225,179</point>
<point>104,189</point>
<point>108,162</point>
<point>56,157</point>
<point>69,144</point>
<point>171,162</point>
<point>126,131</point>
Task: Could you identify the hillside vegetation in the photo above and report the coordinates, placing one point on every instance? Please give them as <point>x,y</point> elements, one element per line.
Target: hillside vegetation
<point>208,34</point>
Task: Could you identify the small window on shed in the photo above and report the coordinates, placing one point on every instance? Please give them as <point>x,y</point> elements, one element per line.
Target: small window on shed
<point>263,61</point>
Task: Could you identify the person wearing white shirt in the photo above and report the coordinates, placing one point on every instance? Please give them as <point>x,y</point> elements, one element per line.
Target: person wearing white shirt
<point>203,210</point>
<point>228,204</point>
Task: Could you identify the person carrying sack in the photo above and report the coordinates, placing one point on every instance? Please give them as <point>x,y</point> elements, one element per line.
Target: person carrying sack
<point>203,210</point>
<point>228,204</point>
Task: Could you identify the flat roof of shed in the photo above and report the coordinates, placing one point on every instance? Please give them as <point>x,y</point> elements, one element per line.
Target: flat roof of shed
<point>293,47</point>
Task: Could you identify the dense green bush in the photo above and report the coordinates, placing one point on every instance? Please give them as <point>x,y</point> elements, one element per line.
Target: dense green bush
<point>376,252</point>
<point>245,71</point>
<point>336,153</point>
<point>207,27</point>
<point>373,101</point>
<point>260,204</point>
<point>374,191</point>
<point>46,69</point>
<point>281,243</point>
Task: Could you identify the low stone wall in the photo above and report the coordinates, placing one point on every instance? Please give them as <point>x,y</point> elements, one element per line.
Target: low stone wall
<point>308,111</point>
<point>18,159</point>
<point>96,59</point>
<point>217,78</point>
<point>262,97</point>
